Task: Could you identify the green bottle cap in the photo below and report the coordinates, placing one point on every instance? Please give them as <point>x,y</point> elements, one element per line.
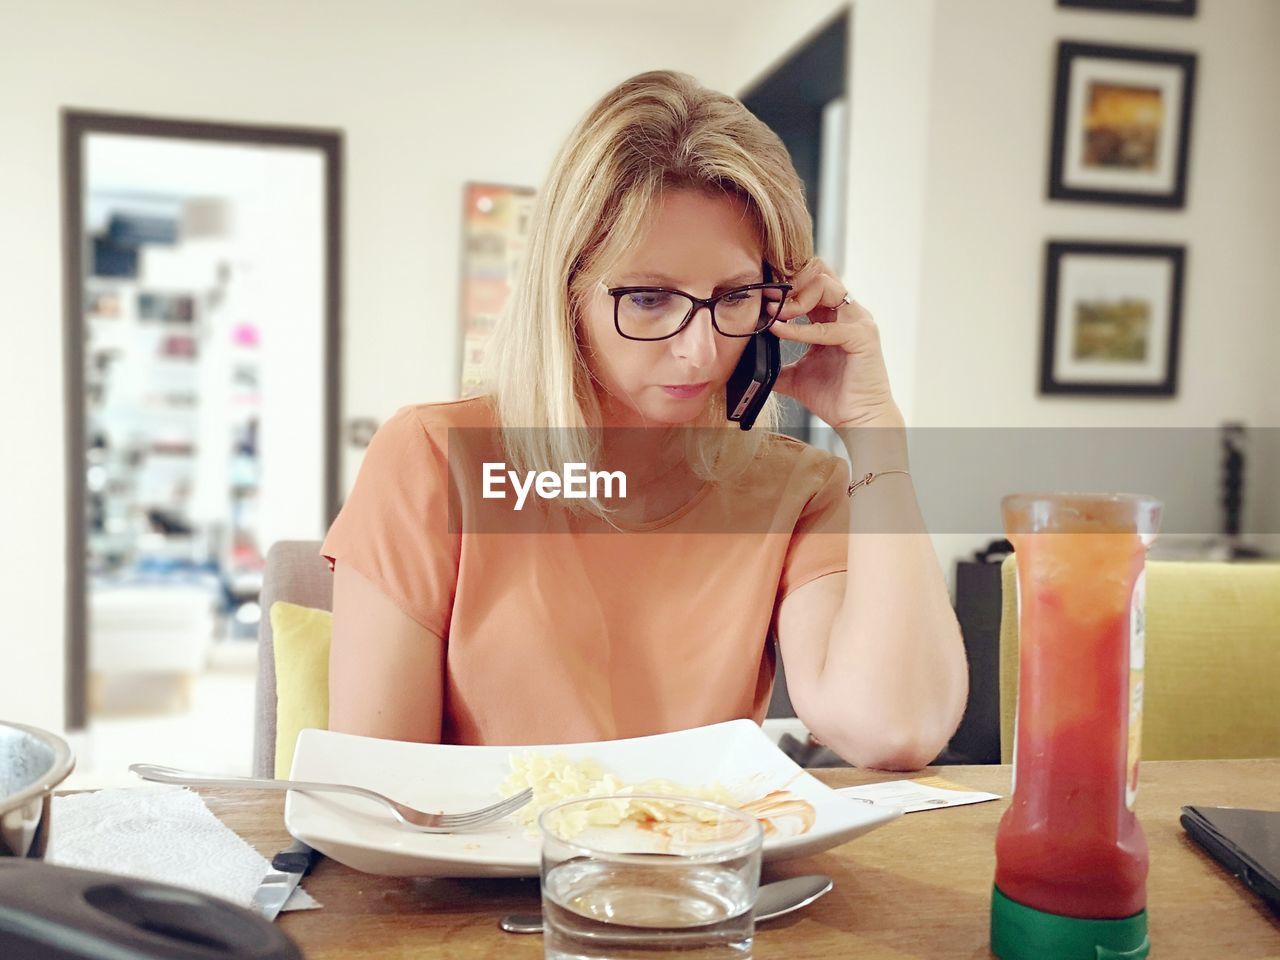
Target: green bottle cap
<point>1020,933</point>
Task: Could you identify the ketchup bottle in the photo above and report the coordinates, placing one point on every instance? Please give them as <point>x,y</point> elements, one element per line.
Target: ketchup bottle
<point>1071,858</point>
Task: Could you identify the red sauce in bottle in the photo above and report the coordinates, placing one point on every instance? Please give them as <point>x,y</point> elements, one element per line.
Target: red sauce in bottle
<point>1069,844</point>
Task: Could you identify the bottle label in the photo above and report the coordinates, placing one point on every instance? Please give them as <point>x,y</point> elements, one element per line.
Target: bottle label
<point>1017,684</point>
<point>1137,661</point>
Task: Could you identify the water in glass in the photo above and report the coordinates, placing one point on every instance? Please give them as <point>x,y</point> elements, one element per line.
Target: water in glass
<point>624,911</point>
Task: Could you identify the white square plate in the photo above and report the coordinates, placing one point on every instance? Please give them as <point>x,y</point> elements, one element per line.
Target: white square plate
<point>365,836</point>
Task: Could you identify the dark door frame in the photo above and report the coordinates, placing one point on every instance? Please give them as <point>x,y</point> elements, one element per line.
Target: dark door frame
<point>790,99</point>
<point>76,125</point>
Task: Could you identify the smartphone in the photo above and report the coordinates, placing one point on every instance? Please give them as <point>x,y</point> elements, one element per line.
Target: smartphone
<point>753,378</point>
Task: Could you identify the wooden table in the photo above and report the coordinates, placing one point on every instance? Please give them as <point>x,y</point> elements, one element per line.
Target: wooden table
<point>916,889</point>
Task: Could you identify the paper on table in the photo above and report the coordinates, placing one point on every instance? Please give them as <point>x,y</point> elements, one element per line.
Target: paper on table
<point>913,796</point>
<point>165,834</point>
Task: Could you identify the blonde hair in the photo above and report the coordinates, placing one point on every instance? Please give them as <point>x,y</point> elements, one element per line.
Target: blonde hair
<point>657,131</point>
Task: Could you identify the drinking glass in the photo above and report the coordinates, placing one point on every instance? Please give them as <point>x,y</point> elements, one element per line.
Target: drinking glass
<point>636,876</point>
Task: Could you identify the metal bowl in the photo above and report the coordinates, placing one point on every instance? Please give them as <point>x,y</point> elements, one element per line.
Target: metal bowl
<point>32,763</point>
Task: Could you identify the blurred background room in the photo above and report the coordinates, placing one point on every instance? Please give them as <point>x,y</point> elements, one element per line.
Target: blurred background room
<point>236,237</point>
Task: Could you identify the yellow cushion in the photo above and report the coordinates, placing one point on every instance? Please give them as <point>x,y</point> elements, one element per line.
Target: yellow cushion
<point>301,637</point>
<point>1212,680</point>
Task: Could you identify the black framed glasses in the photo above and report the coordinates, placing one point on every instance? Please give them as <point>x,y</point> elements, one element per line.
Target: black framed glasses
<point>657,313</point>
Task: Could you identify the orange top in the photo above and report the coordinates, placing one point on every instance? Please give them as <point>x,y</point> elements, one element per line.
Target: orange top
<point>570,634</point>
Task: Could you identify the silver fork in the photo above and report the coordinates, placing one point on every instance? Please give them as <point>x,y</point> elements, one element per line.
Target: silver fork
<point>412,817</point>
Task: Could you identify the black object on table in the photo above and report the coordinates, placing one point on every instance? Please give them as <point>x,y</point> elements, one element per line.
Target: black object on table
<point>61,913</point>
<point>1246,842</point>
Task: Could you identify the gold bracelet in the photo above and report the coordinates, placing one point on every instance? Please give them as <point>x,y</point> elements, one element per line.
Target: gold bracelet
<point>870,477</point>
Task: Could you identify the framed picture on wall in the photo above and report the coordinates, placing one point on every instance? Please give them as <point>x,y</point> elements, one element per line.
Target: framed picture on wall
<point>1172,8</point>
<point>1112,316</point>
<point>495,230</point>
<point>1121,125</point>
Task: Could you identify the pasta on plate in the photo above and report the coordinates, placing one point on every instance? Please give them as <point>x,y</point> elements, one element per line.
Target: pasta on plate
<point>555,778</point>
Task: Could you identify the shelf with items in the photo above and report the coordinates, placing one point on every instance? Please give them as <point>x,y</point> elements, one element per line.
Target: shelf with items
<point>173,379</point>
<point>141,410</point>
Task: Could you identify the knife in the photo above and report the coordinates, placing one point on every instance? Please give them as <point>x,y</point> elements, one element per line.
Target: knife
<point>287,867</point>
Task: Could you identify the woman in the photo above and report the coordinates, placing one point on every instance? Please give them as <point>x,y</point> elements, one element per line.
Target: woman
<point>665,196</point>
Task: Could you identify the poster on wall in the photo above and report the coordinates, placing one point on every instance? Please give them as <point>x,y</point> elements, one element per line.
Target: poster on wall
<point>1112,313</point>
<point>1121,125</point>
<point>495,230</point>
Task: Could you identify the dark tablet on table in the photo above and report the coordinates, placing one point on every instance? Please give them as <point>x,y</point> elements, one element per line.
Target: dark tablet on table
<point>1246,842</point>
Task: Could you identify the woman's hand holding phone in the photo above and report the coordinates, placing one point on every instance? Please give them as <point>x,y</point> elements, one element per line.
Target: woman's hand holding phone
<point>842,376</point>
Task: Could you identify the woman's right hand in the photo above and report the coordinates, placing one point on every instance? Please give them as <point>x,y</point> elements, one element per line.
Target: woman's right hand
<point>386,671</point>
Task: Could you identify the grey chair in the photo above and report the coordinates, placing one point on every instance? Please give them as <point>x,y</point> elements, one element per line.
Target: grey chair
<point>295,572</point>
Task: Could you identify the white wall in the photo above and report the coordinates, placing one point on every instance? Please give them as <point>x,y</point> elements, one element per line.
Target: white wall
<point>951,110</point>
<point>428,95</point>
<point>988,220</point>
<point>890,74</point>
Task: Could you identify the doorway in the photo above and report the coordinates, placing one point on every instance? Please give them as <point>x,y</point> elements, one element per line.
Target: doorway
<point>804,101</point>
<point>202,327</point>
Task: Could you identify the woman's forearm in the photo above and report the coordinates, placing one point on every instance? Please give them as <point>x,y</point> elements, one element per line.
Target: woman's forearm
<point>894,677</point>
